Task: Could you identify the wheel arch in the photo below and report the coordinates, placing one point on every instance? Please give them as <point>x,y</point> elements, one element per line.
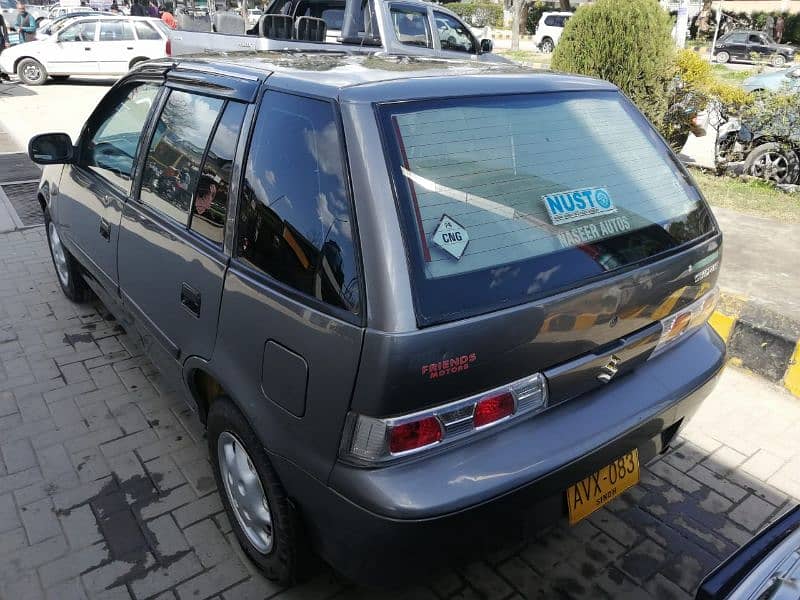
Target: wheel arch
<point>21,58</point>
<point>204,386</point>
<point>136,61</point>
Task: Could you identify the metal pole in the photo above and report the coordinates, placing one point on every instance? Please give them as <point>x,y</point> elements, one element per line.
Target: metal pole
<point>716,29</point>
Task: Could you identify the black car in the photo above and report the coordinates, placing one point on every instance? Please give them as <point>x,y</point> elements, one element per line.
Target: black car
<point>418,304</point>
<point>749,45</point>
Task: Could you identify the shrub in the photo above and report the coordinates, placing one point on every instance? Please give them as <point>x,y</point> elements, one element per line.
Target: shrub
<point>627,43</point>
<point>697,75</point>
<point>479,14</point>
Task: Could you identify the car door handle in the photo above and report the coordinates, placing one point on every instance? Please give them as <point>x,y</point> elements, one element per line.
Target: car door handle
<point>130,47</point>
<point>105,229</point>
<point>190,299</point>
<point>87,49</point>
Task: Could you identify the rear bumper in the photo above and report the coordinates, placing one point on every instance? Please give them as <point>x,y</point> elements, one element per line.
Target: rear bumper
<point>378,525</point>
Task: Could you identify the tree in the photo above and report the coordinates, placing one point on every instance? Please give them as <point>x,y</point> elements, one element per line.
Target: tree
<point>627,43</point>
<point>516,11</point>
<point>564,5</point>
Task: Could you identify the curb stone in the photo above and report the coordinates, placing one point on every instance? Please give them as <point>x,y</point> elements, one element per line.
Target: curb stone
<point>760,340</point>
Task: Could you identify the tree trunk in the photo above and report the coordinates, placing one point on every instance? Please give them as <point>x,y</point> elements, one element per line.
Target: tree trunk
<point>564,4</point>
<point>515,23</point>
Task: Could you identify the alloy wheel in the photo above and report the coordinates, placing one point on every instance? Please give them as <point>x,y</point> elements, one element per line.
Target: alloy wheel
<point>772,166</point>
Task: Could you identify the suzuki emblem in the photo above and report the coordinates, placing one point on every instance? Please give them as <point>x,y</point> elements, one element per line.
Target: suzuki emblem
<point>610,369</point>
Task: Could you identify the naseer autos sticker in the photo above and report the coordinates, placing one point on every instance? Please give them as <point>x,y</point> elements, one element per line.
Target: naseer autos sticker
<point>574,205</point>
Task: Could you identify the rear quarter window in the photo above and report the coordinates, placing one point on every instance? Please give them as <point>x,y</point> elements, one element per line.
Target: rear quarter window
<point>509,198</point>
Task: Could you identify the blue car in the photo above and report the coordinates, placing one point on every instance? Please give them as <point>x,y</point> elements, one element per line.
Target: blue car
<point>774,81</point>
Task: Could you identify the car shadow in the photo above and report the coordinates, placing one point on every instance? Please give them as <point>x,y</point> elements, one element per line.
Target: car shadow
<point>9,89</point>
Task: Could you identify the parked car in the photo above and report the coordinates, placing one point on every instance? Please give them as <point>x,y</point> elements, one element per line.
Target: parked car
<point>88,46</point>
<point>407,27</point>
<point>783,80</point>
<point>748,45</point>
<point>768,566</point>
<point>548,31</point>
<point>408,326</point>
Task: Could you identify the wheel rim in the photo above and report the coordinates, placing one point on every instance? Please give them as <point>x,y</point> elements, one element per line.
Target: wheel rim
<point>778,61</point>
<point>723,57</point>
<point>772,166</point>
<point>32,72</point>
<point>59,257</point>
<point>245,493</point>
<point>547,47</point>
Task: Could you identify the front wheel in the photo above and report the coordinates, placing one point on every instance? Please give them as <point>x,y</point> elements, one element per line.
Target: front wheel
<point>778,60</point>
<point>257,505</point>
<point>31,72</point>
<point>68,271</point>
<point>772,162</point>
<point>723,57</point>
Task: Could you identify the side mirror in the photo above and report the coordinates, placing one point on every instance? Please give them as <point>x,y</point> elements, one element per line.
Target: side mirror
<point>486,45</point>
<point>51,149</point>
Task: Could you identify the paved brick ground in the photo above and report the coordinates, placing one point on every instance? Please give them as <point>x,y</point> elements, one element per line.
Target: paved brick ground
<point>106,490</point>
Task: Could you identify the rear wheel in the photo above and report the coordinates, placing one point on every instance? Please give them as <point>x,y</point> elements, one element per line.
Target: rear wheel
<point>31,72</point>
<point>723,57</point>
<point>256,503</point>
<point>68,270</point>
<point>772,162</point>
<point>547,45</point>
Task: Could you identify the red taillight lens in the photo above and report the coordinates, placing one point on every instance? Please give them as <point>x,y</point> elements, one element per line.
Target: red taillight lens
<point>493,409</point>
<point>169,47</point>
<point>416,434</point>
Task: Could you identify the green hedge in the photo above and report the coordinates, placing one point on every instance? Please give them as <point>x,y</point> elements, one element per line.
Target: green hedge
<point>479,14</point>
<point>627,43</point>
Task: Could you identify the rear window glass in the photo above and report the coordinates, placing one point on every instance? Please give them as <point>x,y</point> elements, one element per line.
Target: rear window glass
<point>508,198</point>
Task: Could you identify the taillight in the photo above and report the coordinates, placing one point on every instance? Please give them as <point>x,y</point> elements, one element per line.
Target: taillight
<point>414,435</point>
<point>686,320</point>
<point>493,409</point>
<point>372,440</point>
<point>168,49</point>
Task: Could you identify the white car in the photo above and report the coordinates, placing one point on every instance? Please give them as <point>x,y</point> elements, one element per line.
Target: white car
<point>88,46</point>
<point>548,32</point>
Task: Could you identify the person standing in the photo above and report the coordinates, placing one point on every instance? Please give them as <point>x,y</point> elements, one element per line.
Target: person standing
<point>167,17</point>
<point>137,10</point>
<point>25,24</point>
<point>3,34</point>
<point>152,9</point>
<point>779,25</point>
<point>769,26</point>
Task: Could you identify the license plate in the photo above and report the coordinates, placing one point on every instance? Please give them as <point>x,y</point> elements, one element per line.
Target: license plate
<point>602,487</point>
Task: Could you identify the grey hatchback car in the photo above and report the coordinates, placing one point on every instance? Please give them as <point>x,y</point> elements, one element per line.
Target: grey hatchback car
<point>421,306</point>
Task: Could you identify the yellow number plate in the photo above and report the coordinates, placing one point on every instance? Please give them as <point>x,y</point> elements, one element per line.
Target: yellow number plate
<point>602,487</point>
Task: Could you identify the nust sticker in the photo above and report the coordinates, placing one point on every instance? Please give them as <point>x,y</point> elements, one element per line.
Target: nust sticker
<point>451,237</point>
<point>574,205</point>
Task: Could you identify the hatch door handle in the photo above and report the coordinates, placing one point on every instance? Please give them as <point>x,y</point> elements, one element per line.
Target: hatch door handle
<point>105,229</point>
<point>190,299</point>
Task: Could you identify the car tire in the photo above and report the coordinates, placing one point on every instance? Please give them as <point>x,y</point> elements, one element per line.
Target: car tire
<point>722,57</point>
<point>280,548</point>
<point>547,45</point>
<point>778,61</point>
<point>68,271</point>
<point>772,162</point>
<point>31,72</point>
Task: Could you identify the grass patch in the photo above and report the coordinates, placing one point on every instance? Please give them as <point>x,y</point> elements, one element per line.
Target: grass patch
<point>527,57</point>
<point>726,75</point>
<point>753,197</point>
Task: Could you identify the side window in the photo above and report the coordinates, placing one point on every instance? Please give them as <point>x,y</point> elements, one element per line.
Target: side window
<point>110,143</point>
<point>411,26</point>
<point>551,21</point>
<point>145,31</point>
<point>211,198</point>
<point>737,38</point>
<point>453,35</point>
<point>294,219</point>
<point>172,166</point>
<point>115,31</point>
<point>79,32</point>
<point>754,39</point>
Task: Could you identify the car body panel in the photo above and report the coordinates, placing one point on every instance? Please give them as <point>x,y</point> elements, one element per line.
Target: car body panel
<point>787,80</point>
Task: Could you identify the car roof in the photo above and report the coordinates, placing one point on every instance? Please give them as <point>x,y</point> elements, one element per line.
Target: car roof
<point>744,31</point>
<point>381,78</point>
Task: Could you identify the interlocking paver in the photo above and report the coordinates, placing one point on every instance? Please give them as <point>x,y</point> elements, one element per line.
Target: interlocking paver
<point>111,465</point>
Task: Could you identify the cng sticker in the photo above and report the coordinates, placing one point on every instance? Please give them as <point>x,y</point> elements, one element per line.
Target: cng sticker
<point>574,205</point>
<point>451,237</point>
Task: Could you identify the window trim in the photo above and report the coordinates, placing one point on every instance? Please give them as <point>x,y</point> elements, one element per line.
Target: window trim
<point>263,279</point>
<point>412,8</point>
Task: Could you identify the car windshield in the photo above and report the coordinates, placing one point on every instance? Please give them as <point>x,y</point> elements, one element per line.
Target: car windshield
<point>507,198</point>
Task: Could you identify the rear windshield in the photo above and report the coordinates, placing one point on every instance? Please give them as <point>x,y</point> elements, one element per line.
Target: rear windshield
<point>505,199</point>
